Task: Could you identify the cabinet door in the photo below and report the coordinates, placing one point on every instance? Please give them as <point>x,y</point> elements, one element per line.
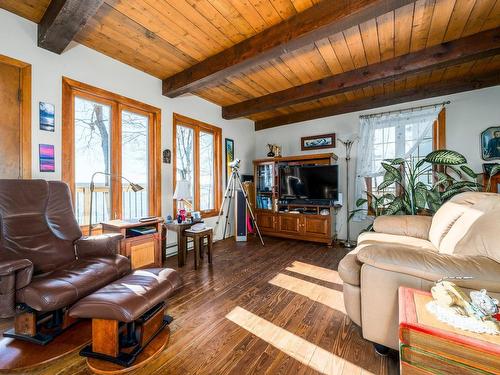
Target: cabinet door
<point>266,221</point>
<point>316,226</point>
<point>289,223</point>
<point>143,251</point>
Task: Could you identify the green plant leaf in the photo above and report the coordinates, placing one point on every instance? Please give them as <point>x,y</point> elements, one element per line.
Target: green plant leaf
<point>394,207</point>
<point>397,161</point>
<point>469,172</point>
<point>361,201</point>
<point>385,184</point>
<point>445,157</point>
<point>420,163</point>
<point>495,170</point>
<point>391,172</point>
<point>457,171</point>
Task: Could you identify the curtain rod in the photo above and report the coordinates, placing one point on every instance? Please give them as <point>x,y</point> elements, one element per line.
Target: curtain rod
<point>405,110</point>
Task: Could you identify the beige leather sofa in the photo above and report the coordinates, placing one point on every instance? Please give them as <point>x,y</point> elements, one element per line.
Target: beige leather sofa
<point>462,239</point>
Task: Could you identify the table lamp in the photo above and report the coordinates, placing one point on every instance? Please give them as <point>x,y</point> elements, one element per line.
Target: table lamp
<point>183,194</point>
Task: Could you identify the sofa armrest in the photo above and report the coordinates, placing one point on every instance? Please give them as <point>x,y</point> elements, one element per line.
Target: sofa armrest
<point>432,266</point>
<point>404,225</point>
<point>15,274</point>
<point>101,245</point>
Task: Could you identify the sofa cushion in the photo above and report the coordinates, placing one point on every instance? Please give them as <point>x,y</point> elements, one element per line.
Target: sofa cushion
<point>443,220</point>
<point>350,268</point>
<point>66,285</point>
<point>404,225</point>
<point>367,238</point>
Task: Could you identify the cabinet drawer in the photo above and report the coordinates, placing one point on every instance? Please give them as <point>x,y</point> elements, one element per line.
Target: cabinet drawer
<point>142,251</point>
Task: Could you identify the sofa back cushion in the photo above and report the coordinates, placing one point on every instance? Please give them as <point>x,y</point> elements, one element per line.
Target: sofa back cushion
<point>37,222</point>
<point>464,225</point>
<point>443,220</point>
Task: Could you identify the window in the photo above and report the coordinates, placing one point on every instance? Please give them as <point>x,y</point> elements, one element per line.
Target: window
<point>410,134</point>
<point>197,159</point>
<point>115,137</point>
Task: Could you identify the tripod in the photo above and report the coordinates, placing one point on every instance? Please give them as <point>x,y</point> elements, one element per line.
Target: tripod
<point>229,195</point>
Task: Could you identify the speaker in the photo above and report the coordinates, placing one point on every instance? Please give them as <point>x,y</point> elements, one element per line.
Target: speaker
<point>240,215</point>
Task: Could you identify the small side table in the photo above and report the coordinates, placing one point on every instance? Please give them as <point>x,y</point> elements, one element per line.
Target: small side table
<point>429,346</point>
<point>181,240</point>
<point>198,239</point>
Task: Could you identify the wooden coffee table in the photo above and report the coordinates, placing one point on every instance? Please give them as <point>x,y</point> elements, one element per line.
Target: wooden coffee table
<point>181,240</point>
<point>428,346</point>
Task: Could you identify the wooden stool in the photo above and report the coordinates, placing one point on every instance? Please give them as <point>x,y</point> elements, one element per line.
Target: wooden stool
<point>198,239</point>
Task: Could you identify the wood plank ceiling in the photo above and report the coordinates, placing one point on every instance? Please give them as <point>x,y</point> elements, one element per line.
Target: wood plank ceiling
<point>165,37</point>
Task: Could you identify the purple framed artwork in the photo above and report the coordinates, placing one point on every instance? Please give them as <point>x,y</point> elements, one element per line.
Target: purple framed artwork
<point>46,158</point>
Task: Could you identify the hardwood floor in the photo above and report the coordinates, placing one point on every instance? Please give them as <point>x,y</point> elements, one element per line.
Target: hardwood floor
<point>259,310</point>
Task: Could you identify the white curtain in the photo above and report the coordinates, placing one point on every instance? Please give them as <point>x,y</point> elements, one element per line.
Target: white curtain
<point>387,136</point>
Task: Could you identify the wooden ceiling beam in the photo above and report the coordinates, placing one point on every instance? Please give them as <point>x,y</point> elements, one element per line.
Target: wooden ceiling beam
<point>459,51</point>
<point>320,21</point>
<point>402,96</point>
<point>62,20</point>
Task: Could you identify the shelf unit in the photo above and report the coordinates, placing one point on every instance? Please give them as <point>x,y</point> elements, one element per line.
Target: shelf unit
<point>275,218</point>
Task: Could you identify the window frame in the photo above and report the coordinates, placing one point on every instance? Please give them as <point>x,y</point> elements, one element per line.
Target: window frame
<point>197,126</point>
<point>118,103</point>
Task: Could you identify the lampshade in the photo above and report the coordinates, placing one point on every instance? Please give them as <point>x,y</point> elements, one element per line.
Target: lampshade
<point>182,190</point>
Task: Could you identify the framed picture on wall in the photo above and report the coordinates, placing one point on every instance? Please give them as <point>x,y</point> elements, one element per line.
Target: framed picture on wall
<point>315,142</point>
<point>490,143</point>
<point>47,116</point>
<point>229,148</point>
<point>46,158</point>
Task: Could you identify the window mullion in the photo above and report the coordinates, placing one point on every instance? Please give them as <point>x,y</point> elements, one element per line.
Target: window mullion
<point>116,161</point>
<point>196,146</point>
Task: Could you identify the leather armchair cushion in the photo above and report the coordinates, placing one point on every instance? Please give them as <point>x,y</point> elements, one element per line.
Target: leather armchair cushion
<point>68,284</point>
<point>404,225</point>
<point>15,274</point>
<point>128,298</point>
<point>368,238</point>
<point>432,266</point>
<point>102,245</point>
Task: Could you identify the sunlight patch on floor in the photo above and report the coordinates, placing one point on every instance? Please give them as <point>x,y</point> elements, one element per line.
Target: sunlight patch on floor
<point>296,347</point>
<point>316,272</point>
<point>318,293</point>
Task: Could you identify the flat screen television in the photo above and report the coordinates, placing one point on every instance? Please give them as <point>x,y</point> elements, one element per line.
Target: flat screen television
<point>318,182</point>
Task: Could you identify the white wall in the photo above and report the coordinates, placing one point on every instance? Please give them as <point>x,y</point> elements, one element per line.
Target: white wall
<point>467,116</point>
<point>18,40</point>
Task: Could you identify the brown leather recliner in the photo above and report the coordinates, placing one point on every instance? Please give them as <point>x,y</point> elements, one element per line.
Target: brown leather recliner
<point>45,263</point>
<point>462,239</point>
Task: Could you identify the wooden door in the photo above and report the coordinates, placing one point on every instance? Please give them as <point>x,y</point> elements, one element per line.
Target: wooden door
<point>289,224</point>
<point>266,221</point>
<point>10,129</point>
<point>316,226</point>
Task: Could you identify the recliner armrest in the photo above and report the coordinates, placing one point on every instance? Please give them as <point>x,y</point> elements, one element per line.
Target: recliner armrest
<point>404,225</point>
<point>15,274</point>
<point>101,245</point>
<point>432,266</point>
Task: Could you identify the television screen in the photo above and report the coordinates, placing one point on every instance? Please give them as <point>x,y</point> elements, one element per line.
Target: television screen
<point>309,182</point>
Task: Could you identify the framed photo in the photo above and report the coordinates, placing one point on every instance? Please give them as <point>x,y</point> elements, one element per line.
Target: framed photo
<point>46,158</point>
<point>47,116</point>
<point>318,141</point>
<point>487,167</point>
<point>229,148</point>
<point>490,143</point>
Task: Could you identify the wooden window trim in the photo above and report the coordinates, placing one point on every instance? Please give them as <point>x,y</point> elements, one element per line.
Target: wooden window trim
<point>217,132</point>
<point>72,88</point>
<point>25,113</point>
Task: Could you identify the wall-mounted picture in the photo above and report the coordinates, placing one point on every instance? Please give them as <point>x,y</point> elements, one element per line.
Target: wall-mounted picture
<point>490,143</point>
<point>46,158</point>
<point>318,141</point>
<point>229,147</point>
<point>47,116</point>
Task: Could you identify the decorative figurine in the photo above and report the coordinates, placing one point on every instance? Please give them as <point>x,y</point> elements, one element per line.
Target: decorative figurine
<point>271,151</point>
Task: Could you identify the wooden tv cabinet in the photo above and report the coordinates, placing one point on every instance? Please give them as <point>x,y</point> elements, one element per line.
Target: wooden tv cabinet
<point>275,219</point>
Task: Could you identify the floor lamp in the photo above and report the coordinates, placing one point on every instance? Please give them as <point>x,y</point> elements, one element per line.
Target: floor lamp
<point>348,147</point>
<point>135,188</point>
